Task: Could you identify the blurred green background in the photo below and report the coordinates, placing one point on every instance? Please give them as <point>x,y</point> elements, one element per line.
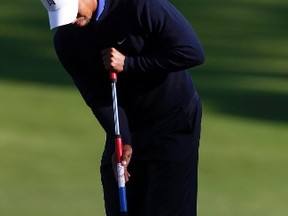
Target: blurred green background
<point>50,143</point>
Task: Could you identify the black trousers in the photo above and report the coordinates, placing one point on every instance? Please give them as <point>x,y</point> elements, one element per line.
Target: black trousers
<point>164,184</point>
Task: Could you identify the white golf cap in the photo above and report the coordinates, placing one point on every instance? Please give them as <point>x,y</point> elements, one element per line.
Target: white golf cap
<point>61,12</point>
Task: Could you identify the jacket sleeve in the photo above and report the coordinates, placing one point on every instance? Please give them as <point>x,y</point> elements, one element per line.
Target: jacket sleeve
<point>176,45</point>
<point>93,83</point>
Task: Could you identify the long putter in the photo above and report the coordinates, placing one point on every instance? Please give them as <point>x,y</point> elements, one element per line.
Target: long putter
<point>118,148</point>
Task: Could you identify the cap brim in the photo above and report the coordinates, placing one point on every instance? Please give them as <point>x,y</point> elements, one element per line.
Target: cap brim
<point>63,16</point>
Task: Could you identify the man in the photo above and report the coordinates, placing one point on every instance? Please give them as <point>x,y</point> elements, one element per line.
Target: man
<point>150,45</point>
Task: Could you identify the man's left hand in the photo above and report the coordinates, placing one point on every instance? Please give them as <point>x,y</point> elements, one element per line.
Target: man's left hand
<point>113,60</point>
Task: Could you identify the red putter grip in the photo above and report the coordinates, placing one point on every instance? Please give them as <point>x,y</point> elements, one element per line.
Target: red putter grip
<point>113,75</point>
<point>118,147</point>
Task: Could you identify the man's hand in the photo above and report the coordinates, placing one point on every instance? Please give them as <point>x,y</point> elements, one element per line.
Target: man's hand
<point>113,60</point>
<point>126,157</point>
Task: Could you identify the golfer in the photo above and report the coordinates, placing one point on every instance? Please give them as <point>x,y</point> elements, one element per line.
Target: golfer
<point>150,45</point>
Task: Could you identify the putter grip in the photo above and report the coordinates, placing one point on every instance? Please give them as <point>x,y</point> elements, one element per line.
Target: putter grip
<point>120,175</point>
<point>118,148</point>
<point>113,76</point>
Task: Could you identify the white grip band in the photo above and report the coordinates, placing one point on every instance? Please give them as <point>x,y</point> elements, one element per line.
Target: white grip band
<point>120,173</point>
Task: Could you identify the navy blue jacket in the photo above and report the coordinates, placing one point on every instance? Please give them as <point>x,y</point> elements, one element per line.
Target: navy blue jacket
<point>159,45</point>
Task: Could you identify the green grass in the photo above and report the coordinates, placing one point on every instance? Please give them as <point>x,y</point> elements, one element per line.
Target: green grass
<point>51,145</point>
<point>50,152</point>
<point>243,167</point>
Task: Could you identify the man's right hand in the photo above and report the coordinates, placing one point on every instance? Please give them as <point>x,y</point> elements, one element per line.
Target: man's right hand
<point>126,158</point>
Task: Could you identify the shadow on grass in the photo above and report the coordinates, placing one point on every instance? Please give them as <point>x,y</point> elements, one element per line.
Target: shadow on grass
<point>249,104</point>
<point>246,43</point>
<point>29,64</point>
<point>240,49</point>
<point>26,45</point>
